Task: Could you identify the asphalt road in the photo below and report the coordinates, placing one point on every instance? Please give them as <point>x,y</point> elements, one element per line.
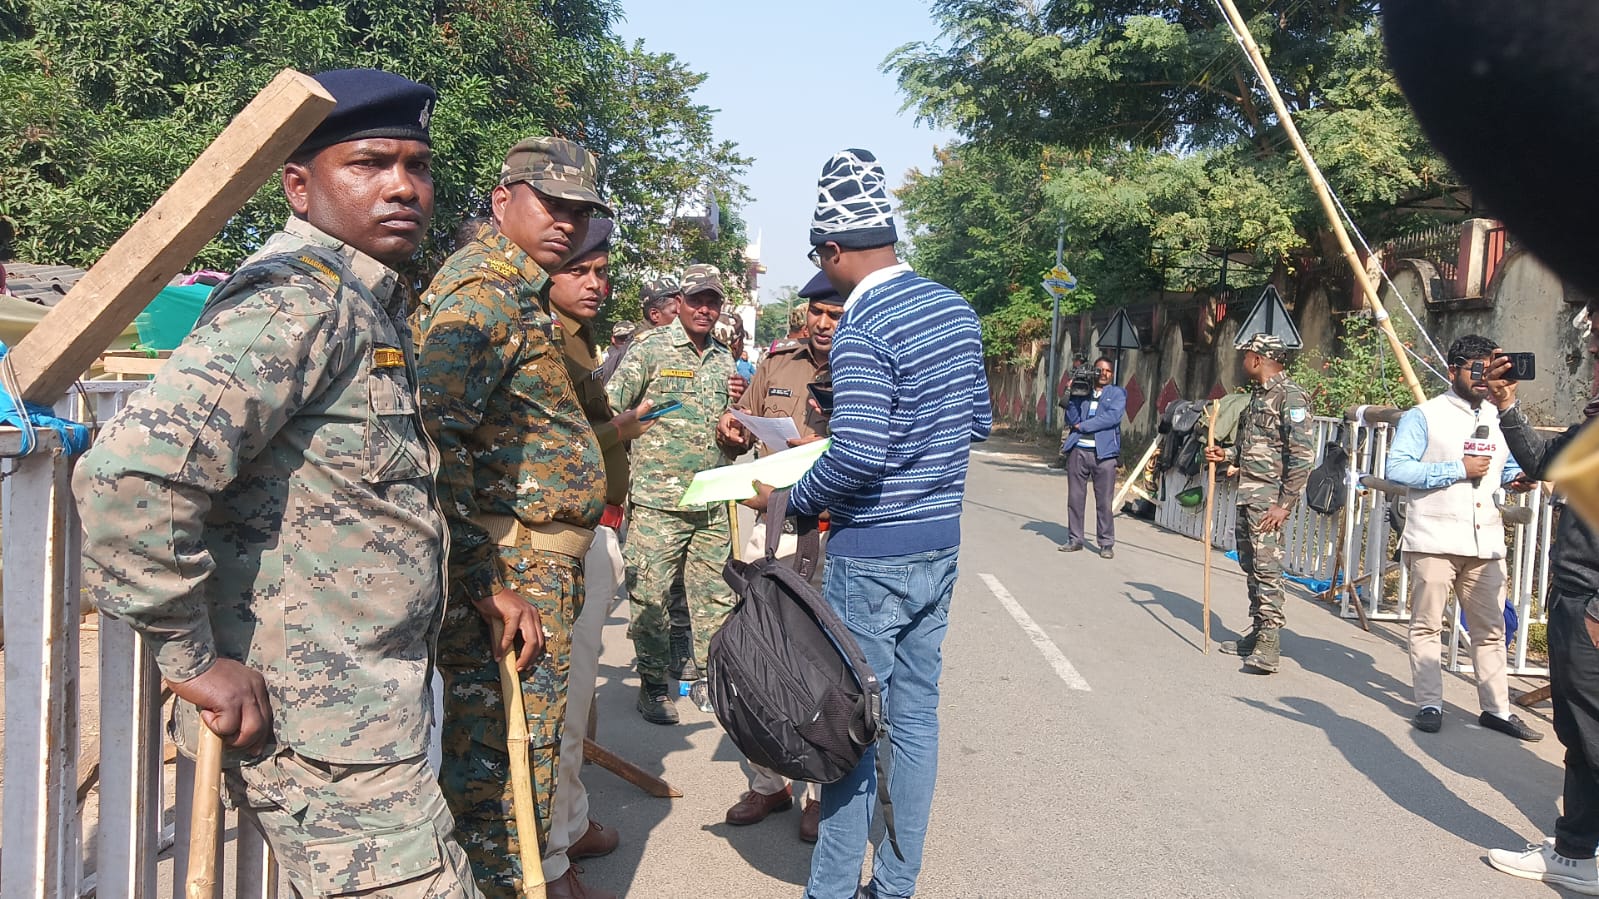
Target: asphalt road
<point>1090,749</point>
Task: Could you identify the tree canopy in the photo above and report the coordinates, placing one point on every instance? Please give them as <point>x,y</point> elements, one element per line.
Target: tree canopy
<point>104,102</point>
<point>1141,125</point>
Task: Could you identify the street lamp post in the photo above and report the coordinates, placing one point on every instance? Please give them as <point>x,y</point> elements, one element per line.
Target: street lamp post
<point>1054,331</point>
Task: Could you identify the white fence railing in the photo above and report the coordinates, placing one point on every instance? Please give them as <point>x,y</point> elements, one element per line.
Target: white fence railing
<point>46,854</point>
<point>1359,542</point>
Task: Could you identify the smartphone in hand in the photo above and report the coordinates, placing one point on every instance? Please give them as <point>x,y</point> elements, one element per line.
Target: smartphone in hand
<point>823,395</point>
<point>658,411</point>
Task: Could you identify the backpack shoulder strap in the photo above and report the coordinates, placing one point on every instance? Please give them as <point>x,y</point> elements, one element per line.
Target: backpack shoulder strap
<point>776,513</point>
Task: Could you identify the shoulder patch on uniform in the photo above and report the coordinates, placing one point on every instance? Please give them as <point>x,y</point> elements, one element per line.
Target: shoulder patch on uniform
<point>387,357</point>
<point>677,373</point>
<point>500,266</point>
<point>1298,414</point>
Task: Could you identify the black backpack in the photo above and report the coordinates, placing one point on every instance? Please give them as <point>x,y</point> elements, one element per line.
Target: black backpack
<point>1324,489</point>
<point>1179,449</point>
<point>787,680</point>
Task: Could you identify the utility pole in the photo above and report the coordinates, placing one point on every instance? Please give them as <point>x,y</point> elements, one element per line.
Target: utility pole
<point>1054,331</point>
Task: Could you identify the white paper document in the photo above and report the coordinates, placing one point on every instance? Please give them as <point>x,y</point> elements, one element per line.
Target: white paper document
<point>775,433</point>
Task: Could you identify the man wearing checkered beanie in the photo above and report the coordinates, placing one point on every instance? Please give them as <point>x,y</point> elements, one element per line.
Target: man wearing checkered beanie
<point>906,408</point>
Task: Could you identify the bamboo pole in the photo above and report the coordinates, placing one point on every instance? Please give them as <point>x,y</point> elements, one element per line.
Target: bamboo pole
<point>205,816</point>
<point>516,746</point>
<point>1240,31</point>
<point>1210,506</point>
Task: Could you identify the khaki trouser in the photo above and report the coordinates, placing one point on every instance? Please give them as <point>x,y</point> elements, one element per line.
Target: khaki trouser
<point>1479,587</point>
<point>602,575</point>
<point>765,780</point>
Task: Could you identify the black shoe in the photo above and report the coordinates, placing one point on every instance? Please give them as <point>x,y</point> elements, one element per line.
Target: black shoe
<point>1428,720</point>
<point>1106,552</point>
<point>1512,726</point>
<point>656,704</point>
<point>1070,546</point>
<point>682,665</point>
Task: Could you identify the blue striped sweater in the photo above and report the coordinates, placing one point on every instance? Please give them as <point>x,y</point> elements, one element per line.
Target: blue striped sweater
<point>909,397</point>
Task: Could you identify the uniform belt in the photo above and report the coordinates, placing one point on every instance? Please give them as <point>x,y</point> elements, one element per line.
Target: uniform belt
<point>611,517</point>
<point>555,536</point>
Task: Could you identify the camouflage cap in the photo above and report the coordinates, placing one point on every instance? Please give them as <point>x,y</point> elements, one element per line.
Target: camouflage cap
<point>555,167</point>
<point>623,330</point>
<point>700,278</point>
<point>660,289</point>
<point>1269,345</point>
<point>729,329</point>
<point>799,318</point>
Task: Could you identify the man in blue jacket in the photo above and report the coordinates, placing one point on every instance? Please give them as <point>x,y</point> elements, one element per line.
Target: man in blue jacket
<point>1092,446</point>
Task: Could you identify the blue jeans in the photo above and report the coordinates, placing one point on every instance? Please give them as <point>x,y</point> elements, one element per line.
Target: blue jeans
<point>898,610</point>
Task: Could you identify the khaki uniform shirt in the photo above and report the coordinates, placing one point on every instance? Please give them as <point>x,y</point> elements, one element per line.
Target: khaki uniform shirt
<point>269,498</point>
<point>779,387</point>
<point>585,370</point>
<point>499,404</point>
<point>662,365</point>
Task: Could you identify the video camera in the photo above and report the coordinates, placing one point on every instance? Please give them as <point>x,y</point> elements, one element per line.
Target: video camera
<point>1083,377</point>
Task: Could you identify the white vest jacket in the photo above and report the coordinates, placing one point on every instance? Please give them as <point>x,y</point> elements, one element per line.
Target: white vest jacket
<point>1460,519</point>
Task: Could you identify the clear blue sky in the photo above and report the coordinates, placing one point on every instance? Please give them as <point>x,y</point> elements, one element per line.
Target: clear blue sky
<point>793,83</point>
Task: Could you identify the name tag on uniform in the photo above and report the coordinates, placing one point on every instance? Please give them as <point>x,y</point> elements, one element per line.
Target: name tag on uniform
<point>387,357</point>
<point>779,391</point>
<point>677,373</point>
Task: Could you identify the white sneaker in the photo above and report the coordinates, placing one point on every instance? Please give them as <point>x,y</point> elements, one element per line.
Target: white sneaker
<point>1539,861</point>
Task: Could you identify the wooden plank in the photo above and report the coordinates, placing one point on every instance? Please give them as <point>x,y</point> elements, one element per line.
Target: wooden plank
<point>164,240</point>
<point>129,363</point>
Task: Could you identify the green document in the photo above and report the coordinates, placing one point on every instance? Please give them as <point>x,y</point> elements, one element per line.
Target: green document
<point>735,482</point>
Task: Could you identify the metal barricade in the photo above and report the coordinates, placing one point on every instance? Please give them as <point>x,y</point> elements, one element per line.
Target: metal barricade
<point>1308,536</point>
<point>1364,539</point>
<point>44,823</point>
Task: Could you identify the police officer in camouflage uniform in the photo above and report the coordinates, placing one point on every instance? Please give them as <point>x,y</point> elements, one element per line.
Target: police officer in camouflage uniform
<point>523,486</point>
<point>1273,453</point>
<point>264,513</point>
<point>679,362</point>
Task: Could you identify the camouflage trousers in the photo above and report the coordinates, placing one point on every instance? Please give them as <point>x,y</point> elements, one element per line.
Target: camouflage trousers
<point>661,545</point>
<point>380,830</point>
<point>475,772</point>
<point>1260,555</point>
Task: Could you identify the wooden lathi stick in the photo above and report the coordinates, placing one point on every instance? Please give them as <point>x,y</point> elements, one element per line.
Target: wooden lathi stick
<point>1210,506</point>
<point>516,746</point>
<point>633,774</point>
<point>205,817</point>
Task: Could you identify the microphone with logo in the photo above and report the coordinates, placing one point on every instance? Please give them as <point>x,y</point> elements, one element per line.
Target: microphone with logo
<point>1474,448</point>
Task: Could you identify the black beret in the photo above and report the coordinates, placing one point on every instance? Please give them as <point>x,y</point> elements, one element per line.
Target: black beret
<point>820,290</point>
<point>372,103</point>
<point>598,238</point>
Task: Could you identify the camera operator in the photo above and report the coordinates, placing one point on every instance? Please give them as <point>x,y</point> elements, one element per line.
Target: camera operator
<point>1092,447</point>
<point>1573,609</point>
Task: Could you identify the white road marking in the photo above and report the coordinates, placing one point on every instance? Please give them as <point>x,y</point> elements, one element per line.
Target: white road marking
<point>1052,653</point>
